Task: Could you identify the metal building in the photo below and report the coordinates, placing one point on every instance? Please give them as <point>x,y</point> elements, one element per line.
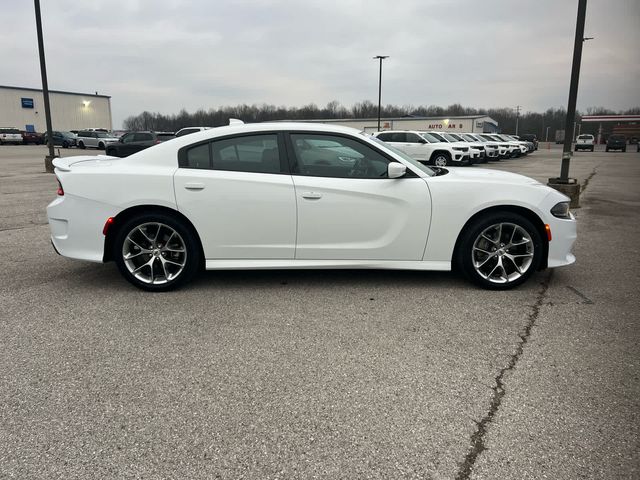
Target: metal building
<point>23,108</point>
<point>464,124</point>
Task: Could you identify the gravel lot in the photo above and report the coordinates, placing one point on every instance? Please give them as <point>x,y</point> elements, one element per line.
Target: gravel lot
<point>322,374</point>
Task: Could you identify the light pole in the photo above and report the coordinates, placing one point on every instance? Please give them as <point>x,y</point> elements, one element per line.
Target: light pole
<point>380,58</point>
<point>569,186</point>
<point>517,117</point>
<point>45,89</point>
<point>546,137</point>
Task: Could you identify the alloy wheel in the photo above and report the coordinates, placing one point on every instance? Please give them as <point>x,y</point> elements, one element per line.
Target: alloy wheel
<point>502,253</point>
<point>154,253</point>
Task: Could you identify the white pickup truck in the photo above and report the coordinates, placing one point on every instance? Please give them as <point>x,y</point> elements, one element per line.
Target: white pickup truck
<point>10,135</point>
<point>94,139</point>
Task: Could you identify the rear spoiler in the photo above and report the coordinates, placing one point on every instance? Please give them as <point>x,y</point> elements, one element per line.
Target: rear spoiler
<point>64,164</point>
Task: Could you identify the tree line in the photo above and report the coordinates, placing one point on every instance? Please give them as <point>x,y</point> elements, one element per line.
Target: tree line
<point>528,122</point>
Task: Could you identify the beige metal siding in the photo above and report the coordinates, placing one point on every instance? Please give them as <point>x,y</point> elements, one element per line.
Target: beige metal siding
<point>68,111</point>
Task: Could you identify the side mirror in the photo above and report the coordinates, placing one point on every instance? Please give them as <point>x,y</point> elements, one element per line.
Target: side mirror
<point>396,170</point>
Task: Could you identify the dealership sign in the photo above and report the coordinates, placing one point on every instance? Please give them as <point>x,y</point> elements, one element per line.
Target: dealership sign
<point>445,124</point>
<point>27,102</point>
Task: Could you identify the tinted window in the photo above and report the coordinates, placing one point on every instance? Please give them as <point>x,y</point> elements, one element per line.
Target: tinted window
<point>128,138</point>
<point>198,157</point>
<point>385,137</point>
<point>585,137</point>
<point>163,137</point>
<point>398,137</point>
<point>413,138</point>
<point>320,155</point>
<point>252,153</point>
<point>142,137</point>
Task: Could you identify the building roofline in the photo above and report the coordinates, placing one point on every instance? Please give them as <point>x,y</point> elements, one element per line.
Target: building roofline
<point>408,117</point>
<point>29,89</point>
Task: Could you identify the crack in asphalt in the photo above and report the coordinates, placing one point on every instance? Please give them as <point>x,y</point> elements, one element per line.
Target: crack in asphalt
<point>585,184</point>
<point>499,391</point>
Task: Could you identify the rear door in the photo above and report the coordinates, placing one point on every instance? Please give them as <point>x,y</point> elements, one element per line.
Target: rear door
<point>239,195</point>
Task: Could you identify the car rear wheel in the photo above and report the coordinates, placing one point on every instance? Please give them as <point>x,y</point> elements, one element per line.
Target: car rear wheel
<point>441,159</point>
<point>65,144</point>
<point>500,251</point>
<point>81,145</point>
<point>157,252</point>
<point>101,146</point>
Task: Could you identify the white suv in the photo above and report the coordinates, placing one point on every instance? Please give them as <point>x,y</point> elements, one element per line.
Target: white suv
<point>425,148</point>
<point>585,142</point>
<point>95,139</point>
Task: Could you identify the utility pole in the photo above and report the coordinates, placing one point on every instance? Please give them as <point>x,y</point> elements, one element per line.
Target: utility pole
<point>380,58</point>
<point>517,117</point>
<point>45,90</point>
<point>566,185</point>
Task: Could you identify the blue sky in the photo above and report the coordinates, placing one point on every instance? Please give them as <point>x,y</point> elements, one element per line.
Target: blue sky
<point>164,55</point>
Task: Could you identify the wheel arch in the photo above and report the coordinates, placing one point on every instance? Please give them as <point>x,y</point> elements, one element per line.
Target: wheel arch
<point>436,152</point>
<point>525,212</point>
<point>130,212</point>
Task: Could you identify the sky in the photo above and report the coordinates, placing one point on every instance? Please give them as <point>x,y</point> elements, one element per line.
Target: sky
<point>165,55</point>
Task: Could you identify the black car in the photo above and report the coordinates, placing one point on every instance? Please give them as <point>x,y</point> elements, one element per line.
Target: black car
<point>530,137</point>
<point>62,139</point>
<point>616,142</point>
<point>133,142</point>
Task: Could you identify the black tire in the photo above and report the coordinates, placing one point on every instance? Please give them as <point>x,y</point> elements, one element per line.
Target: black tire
<point>81,145</point>
<point>593,149</point>
<point>101,146</point>
<point>65,144</point>
<point>624,149</point>
<point>440,159</point>
<point>464,260</point>
<point>192,260</point>
<point>111,152</point>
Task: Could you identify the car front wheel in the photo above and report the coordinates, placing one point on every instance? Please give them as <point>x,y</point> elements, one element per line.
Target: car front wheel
<point>156,252</point>
<point>500,251</point>
<point>441,159</point>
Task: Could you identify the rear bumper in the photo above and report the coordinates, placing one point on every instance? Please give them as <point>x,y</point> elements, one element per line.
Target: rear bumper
<point>76,227</point>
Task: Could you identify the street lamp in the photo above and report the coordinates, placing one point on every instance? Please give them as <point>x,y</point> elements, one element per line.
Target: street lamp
<point>380,58</point>
<point>45,89</point>
<point>567,185</point>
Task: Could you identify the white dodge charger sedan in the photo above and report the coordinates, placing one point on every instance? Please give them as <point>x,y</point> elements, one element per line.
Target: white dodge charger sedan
<point>296,195</point>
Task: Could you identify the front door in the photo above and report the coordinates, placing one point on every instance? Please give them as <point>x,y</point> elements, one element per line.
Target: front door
<point>348,209</point>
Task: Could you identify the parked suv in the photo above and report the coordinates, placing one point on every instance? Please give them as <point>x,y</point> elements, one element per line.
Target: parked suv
<point>10,135</point>
<point>62,139</point>
<point>32,137</point>
<point>530,137</point>
<point>133,142</point>
<point>94,139</point>
<point>616,142</point>
<point>585,142</point>
<point>425,147</point>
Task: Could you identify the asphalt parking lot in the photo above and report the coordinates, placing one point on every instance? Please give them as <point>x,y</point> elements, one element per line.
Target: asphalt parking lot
<point>323,374</point>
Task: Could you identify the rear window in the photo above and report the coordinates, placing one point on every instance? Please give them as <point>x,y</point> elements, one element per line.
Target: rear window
<point>617,137</point>
<point>9,130</point>
<point>164,137</point>
<point>585,137</point>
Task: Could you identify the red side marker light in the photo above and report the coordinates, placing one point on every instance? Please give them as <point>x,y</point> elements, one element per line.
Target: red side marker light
<point>548,229</point>
<point>60,189</point>
<point>107,224</point>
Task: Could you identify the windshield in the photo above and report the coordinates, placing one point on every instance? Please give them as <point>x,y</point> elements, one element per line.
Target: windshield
<point>404,156</point>
<point>439,137</point>
<point>450,137</point>
<point>470,138</point>
<point>429,138</point>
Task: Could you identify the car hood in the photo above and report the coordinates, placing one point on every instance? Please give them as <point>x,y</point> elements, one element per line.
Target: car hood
<point>484,175</point>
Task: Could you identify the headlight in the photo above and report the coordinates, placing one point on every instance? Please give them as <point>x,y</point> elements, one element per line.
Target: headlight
<point>561,210</point>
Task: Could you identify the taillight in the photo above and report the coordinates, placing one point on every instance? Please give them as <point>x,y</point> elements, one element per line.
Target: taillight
<point>60,189</point>
<point>158,141</point>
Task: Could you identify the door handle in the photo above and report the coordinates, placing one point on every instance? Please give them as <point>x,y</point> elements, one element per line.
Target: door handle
<point>311,195</point>
<point>194,186</point>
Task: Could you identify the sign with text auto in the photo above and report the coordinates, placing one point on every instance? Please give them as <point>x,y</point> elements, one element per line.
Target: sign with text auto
<point>445,125</point>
